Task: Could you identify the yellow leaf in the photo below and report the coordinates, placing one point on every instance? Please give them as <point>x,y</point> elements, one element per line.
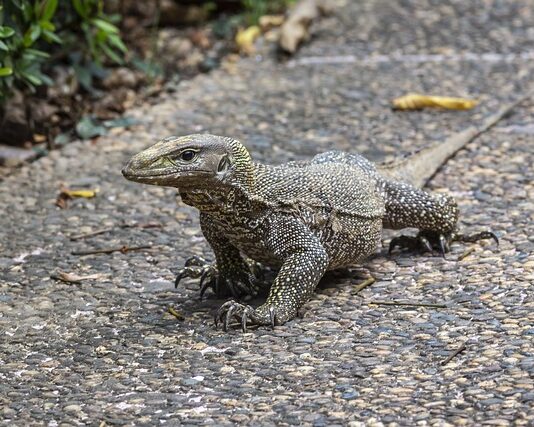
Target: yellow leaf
<point>414,101</point>
<point>37,137</point>
<point>245,38</point>
<point>87,194</point>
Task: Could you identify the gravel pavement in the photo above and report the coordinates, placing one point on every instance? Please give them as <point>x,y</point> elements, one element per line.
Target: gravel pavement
<point>106,351</point>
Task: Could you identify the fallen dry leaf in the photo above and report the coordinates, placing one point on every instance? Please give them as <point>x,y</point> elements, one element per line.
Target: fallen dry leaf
<point>200,38</point>
<point>414,101</point>
<point>295,29</point>
<point>268,22</point>
<point>73,277</point>
<point>245,39</point>
<point>86,194</point>
<point>175,313</point>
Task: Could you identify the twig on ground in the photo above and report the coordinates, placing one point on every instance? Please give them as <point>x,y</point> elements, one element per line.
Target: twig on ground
<point>91,233</point>
<point>363,285</point>
<point>416,304</point>
<point>466,253</point>
<point>122,249</point>
<point>107,229</point>
<point>455,353</point>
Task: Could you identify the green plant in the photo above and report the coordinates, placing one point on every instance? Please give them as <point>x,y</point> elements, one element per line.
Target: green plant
<point>31,32</point>
<point>22,25</point>
<point>254,9</point>
<point>101,35</point>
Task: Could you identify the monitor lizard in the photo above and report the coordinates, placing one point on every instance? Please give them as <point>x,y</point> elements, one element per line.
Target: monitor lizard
<point>301,218</point>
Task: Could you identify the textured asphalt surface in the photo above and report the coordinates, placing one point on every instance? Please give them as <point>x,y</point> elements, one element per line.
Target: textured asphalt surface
<point>107,352</point>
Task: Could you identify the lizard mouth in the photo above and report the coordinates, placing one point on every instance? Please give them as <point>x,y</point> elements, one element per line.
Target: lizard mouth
<point>136,175</point>
<point>132,175</point>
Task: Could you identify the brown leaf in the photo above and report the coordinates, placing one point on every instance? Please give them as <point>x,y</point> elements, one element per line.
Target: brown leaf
<point>414,101</point>
<point>268,22</point>
<point>296,28</point>
<point>61,202</point>
<point>73,277</point>
<point>201,39</point>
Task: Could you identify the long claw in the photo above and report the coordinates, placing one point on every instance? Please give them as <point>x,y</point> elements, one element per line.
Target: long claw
<point>489,235</point>
<point>228,317</point>
<point>393,244</point>
<point>220,313</point>
<point>179,277</point>
<point>191,271</point>
<point>426,244</point>
<point>203,288</point>
<point>272,315</point>
<point>244,319</point>
<point>206,280</point>
<point>478,236</point>
<point>443,245</point>
<point>205,274</point>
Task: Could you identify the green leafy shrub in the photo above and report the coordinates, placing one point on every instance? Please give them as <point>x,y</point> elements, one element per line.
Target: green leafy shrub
<point>254,9</point>
<point>33,32</point>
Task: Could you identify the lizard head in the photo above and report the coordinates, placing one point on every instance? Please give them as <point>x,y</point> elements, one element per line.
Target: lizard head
<point>192,162</point>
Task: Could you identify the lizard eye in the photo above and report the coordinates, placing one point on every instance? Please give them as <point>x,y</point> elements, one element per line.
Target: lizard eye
<point>188,155</point>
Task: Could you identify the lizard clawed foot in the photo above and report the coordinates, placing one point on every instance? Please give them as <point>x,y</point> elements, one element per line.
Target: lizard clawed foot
<point>424,242</point>
<point>196,267</point>
<point>244,314</point>
<point>235,283</point>
<point>429,241</point>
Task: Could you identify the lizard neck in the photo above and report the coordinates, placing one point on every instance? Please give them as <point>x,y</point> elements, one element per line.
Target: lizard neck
<point>235,191</point>
<point>222,201</point>
<point>241,170</point>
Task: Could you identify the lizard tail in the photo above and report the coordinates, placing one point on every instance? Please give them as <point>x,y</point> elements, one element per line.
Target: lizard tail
<point>418,168</point>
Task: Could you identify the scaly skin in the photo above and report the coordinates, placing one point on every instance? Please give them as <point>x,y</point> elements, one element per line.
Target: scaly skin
<point>302,218</point>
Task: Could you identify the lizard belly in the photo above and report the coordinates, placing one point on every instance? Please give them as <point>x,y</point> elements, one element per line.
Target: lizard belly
<point>347,239</point>
<point>354,241</point>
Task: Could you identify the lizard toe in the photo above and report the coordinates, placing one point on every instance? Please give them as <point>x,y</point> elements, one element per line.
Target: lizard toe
<point>192,272</point>
<point>245,315</point>
<point>475,237</point>
<point>424,241</point>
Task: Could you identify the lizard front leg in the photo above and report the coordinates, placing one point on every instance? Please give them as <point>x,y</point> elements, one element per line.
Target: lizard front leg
<point>231,275</point>
<point>304,261</point>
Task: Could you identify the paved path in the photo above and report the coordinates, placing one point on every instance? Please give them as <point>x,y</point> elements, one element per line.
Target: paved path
<point>107,351</point>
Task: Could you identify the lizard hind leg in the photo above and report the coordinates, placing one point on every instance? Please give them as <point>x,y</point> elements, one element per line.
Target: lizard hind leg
<point>434,215</point>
